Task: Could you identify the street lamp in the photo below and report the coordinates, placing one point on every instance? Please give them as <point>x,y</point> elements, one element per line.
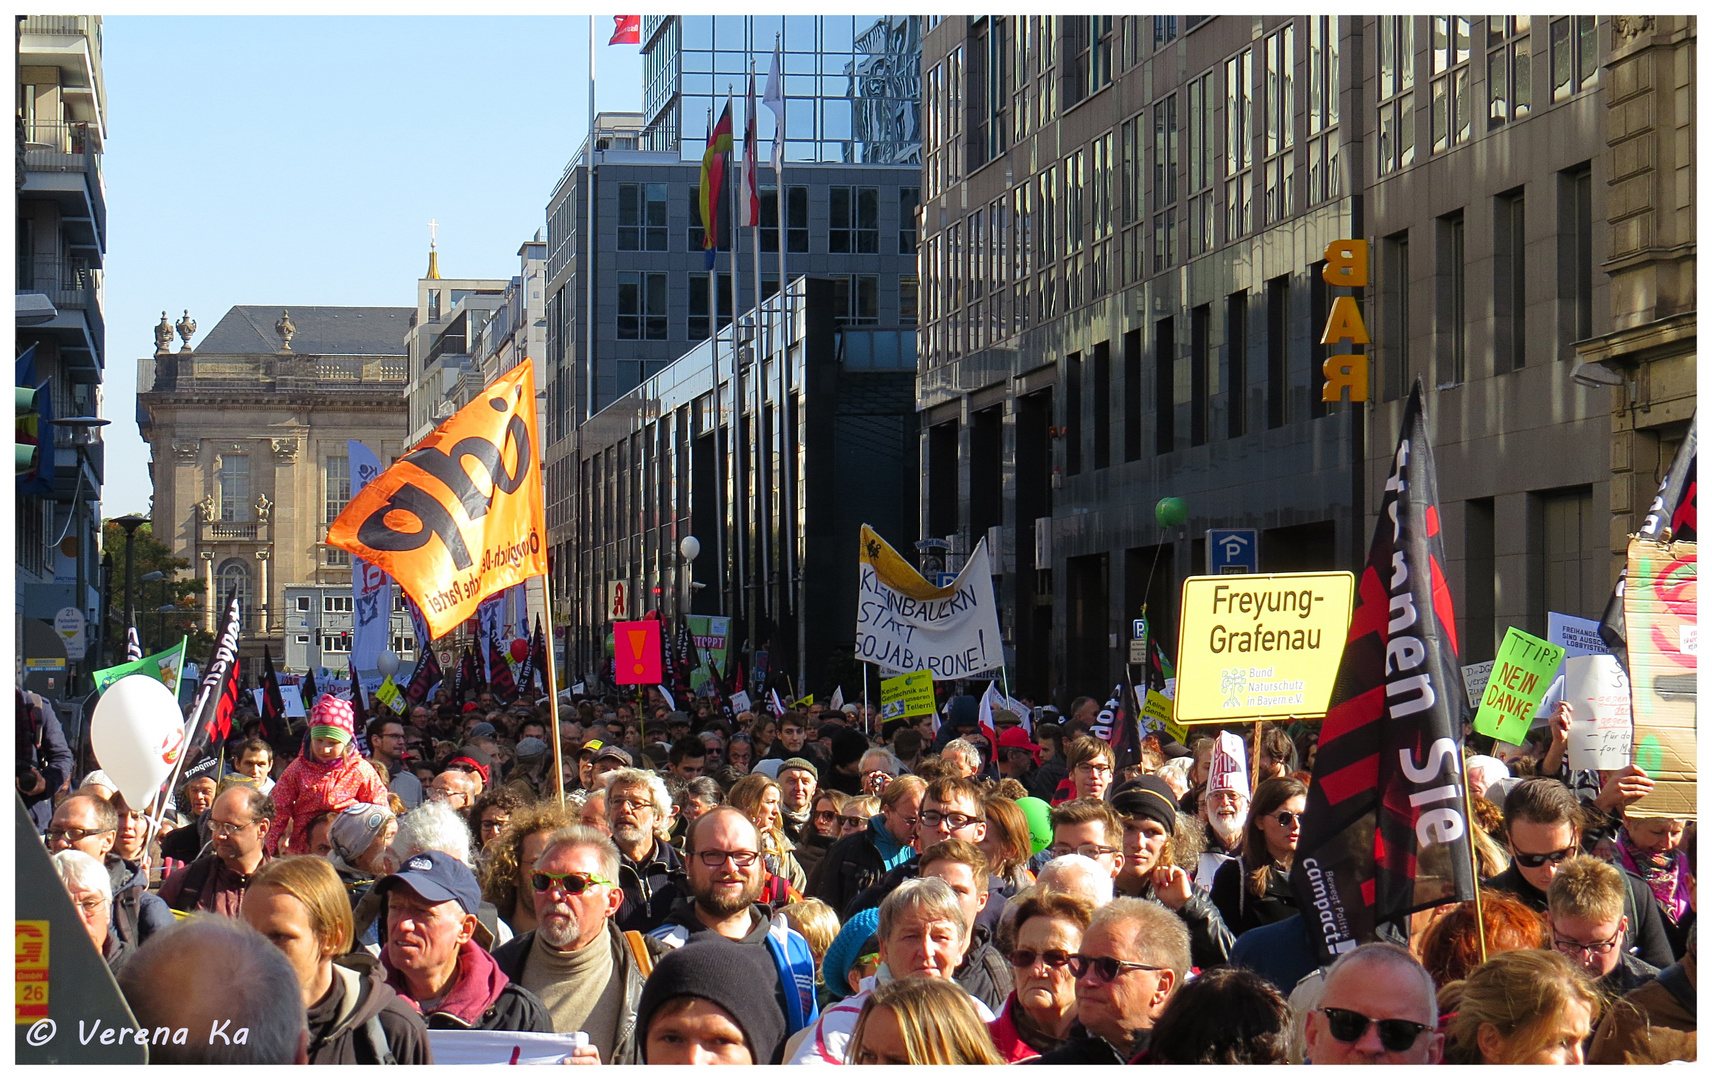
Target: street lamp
<point>156,575</point>
<point>689,547</point>
<point>130,523</point>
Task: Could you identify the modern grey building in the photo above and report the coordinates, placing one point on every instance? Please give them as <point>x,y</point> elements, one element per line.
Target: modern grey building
<point>852,83</point>
<point>61,201</point>
<point>318,620</point>
<point>812,437</point>
<point>1124,226</point>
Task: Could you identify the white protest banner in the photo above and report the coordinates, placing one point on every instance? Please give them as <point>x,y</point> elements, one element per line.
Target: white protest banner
<point>458,1047</point>
<point>740,701</point>
<point>1600,726</point>
<point>293,696</point>
<point>1475,677</point>
<point>1579,637</point>
<point>904,624</point>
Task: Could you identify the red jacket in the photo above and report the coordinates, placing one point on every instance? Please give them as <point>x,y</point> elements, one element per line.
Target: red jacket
<point>309,787</point>
<point>1006,1039</point>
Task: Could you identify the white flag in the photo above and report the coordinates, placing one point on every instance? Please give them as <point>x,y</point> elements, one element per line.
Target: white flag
<point>671,702</point>
<point>774,98</point>
<point>837,702</point>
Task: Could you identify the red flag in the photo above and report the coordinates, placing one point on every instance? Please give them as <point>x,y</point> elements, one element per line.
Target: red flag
<point>626,30</point>
<point>500,682</point>
<point>713,179</point>
<point>1385,832</point>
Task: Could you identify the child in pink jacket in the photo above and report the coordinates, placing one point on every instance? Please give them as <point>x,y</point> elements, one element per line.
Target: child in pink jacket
<point>328,774</point>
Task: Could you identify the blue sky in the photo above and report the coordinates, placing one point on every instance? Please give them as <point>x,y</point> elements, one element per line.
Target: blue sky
<point>297,161</point>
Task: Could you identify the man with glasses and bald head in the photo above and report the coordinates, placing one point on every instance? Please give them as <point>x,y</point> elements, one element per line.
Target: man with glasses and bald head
<point>1378,1007</point>
<point>1133,957</point>
<point>239,821</point>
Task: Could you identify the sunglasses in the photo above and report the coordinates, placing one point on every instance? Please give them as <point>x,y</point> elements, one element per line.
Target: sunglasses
<point>1534,861</point>
<point>1289,820</point>
<point>1023,959</point>
<point>572,884</point>
<point>852,822</point>
<point>1105,968</point>
<point>1395,1036</point>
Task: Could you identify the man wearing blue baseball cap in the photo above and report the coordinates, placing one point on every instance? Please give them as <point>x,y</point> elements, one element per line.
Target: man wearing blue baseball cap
<point>431,957</point>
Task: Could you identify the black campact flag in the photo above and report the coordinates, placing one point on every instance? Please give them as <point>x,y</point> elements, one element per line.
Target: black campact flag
<point>1385,832</point>
<point>422,680</point>
<point>1674,507</point>
<point>276,728</point>
<point>217,695</point>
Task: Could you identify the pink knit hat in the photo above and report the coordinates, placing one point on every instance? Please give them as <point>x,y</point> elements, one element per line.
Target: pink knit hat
<point>332,718</point>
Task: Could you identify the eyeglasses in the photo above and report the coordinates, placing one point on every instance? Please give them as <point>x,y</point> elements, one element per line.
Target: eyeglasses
<point>713,860</point>
<point>932,818</point>
<point>227,828</point>
<point>1535,861</point>
<point>1288,820</point>
<point>1094,768</point>
<point>74,836</point>
<point>1023,959</point>
<point>1395,1036</point>
<point>1591,948</point>
<point>572,884</point>
<point>1092,851</point>
<point>852,822</point>
<point>1104,968</point>
<point>635,806</point>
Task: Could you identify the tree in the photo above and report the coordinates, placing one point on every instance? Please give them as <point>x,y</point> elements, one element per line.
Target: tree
<point>186,592</point>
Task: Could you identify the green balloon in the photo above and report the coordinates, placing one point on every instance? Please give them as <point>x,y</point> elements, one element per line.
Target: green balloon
<point>1038,814</point>
<point>1171,511</point>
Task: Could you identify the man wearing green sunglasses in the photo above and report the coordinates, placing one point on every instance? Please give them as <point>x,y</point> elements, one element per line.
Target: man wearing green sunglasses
<point>587,972</point>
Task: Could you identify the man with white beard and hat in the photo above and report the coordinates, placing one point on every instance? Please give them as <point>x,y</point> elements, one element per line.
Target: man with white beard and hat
<point>587,972</point>
<point>1224,807</point>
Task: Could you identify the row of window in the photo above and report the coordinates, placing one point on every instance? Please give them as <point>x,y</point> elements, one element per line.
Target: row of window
<point>853,219</point>
<point>402,644</point>
<point>335,603</point>
<point>643,302</point>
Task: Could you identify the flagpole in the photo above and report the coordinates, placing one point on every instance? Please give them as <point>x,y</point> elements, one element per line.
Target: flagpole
<point>712,243</point>
<point>1473,854</point>
<point>763,519</point>
<point>553,686</point>
<point>739,484</point>
<point>788,503</point>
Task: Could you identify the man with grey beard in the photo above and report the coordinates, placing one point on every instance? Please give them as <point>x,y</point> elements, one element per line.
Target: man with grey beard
<point>1225,813</point>
<point>639,817</point>
<point>586,971</point>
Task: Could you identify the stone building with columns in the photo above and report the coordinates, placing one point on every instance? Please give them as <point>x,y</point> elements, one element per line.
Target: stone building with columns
<point>248,437</point>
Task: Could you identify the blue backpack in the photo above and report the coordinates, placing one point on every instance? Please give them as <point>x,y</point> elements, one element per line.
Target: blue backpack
<point>791,959</point>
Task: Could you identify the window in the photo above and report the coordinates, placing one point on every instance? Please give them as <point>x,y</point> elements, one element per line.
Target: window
<point>1574,258</point>
<point>857,302</point>
<point>1574,55</point>
<point>235,488</point>
<point>1164,387</point>
<point>303,603</point>
<point>300,639</point>
<point>641,306</point>
<point>1239,144</point>
<point>338,473</point>
<point>1130,209</point>
<point>433,305</point>
<point>1509,69</point>
<point>1452,301</point>
<point>1236,363</point>
<point>697,328</point>
<point>1394,298</point>
<point>337,556</point>
<point>1280,124</point>
<point>1102,403</point>
<point>1396,92</point>
<point>1324,81</point>
<point>1572,559</point>
<point>1165,183</point>
<point>642,217</point>
<point>796,212</point>
<point>1132,395</point>
<point>909,300</point>
<point>1201,132</point>
<point>909,199</point>
<point>1073,414</point>
<point>336,643</point>
<point>1164,30</point>
<point>1509,273</point>
<point>1452,110</point>
<point>1277,351</point>
<point>1200,349</point>
<point>233,579</point>
<point>853,224</point>
<point>335,602</point>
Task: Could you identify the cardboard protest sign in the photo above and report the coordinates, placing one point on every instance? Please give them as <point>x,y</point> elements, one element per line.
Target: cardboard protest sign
<point>1229,770</point>
<point>1600,727</point>
<point>1265,645</point>
<point>905,624</point>
<point>906,695</point>
<point>1660,609</point>
<point>636,653</point>
<point>1521,674</point>
<point>461,516</point>
<point>1475,677</point>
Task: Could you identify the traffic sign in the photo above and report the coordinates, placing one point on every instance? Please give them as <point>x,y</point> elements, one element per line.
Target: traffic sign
<point>1138,629</point>
<point>1233,551</point>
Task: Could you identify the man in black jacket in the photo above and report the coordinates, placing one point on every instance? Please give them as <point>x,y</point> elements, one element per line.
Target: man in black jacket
<point>1133,957</point>
<point>43,762</point>
<point>983,973</point>
<point>1585,915</point>
<point>639,815</point>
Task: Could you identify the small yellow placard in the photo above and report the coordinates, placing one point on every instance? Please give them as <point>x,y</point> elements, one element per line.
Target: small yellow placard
<point>30,970</point>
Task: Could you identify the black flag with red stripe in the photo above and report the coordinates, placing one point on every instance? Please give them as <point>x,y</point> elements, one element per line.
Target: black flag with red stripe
<point>500,682</point>
<point>1385,832</point>
<point>423,679</point>
<point>276,727</point>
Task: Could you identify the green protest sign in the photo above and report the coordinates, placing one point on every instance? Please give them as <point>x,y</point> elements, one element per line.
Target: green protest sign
<point>1521,674</point>
<point>907,695</point>
<point>164,666</point>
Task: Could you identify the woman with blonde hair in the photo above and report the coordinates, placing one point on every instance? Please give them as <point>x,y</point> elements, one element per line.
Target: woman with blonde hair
<point>759,798</point>
<point>1528,1007</point>
<point>1007,844</point>
<point>920,1021</point>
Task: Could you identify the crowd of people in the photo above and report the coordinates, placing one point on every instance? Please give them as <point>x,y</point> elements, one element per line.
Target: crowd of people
<point>823,888</point>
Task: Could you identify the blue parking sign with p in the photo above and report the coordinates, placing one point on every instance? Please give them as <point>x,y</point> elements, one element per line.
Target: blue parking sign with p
<point>1233,551</point>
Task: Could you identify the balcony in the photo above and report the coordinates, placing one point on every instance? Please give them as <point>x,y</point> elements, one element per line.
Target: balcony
<point>62,163</point>
<point>233,531</point>
<point>73,285</point>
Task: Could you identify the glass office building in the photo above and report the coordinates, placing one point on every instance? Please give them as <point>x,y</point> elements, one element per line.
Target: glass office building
<point>852,83</point>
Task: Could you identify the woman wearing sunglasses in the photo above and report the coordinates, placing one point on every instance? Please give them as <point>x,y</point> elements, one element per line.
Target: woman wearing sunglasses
<point>1038,1015</point>
<point>1254,888</point>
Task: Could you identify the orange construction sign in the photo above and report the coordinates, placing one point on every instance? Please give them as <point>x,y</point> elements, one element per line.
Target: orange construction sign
<point>462,515</point>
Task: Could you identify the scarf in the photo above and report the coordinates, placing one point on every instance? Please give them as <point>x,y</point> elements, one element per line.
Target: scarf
<point>1667,882</point>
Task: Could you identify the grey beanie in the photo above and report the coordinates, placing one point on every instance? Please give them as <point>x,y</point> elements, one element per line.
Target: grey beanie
<point>355,829</point>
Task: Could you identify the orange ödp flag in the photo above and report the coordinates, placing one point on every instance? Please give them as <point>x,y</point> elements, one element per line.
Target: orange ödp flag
<point>461,516</point>
<point>636,653</point>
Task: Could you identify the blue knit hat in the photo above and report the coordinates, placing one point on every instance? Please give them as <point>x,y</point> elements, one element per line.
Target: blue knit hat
<point>842,954</point>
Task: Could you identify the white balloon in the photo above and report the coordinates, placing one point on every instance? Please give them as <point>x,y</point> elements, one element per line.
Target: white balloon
<point>137,731</point>
<point>387,664</point>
